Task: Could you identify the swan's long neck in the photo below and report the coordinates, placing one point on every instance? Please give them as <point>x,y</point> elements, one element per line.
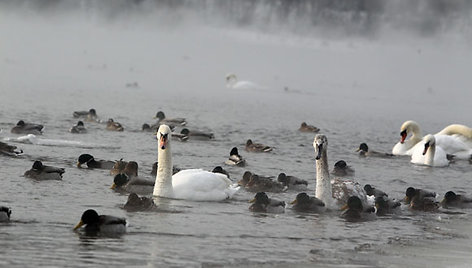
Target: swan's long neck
<point>416,137</point>
<point>323,181</point>
<point>429,156</point>
<point>457,129</point>
<point>163,186</point>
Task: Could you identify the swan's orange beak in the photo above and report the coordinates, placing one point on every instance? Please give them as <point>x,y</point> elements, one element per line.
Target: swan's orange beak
<point>163,141</point>
<point>403,134</point>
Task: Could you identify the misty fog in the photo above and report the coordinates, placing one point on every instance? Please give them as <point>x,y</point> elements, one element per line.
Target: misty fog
<point>401,52</point>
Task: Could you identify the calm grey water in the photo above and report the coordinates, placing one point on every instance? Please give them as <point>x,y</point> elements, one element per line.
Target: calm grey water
<point>355,90</point>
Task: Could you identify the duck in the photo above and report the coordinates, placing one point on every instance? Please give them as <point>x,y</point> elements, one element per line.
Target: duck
<point>132,184</point>
<point>341,169</point>
<point>219,169</point>
<point>372,191</point>
<point>429,154</point>
<point>5,213</point>
<point>385,206</point>
<point>89,116</point>
<point>262,203</point>
<point>136,203</point>
<point>154,169</point>
<point>419,199</point>
<point>305,203</point>
<point>118,167</point>
<point>264,184</point>
<point>92,163</point>
<point>101,224</point>
<point>233,83</point>
<point>454,139</point>
<point>235,159</point>
<point>195,134</point>
<point>304,127</point>
<point>79,128</point>
<point>44,172</point>
<point>291,182</point>
<point>114,126</point>
<point>452,199</point>
<point>131,169</point>
<point>169,121</point>
<point>9,150</point>
<point>27,128</point>
<point>257,147</point>
<point>189,184</point>
<point>354,210</point>
<point>336,192</point>
<point>364,151</point>
<point>247,177</point>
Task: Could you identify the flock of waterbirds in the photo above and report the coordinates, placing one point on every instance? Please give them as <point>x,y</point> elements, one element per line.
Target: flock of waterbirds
<point>335,189</point>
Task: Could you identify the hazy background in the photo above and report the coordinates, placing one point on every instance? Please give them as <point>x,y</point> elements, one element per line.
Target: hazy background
<point>398,52</point>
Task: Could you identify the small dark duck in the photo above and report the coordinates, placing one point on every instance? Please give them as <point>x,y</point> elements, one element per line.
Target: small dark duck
<point>452,199</point>
<point>92,163</point>
<point>419,199</point>
<point>5,213</point>
<point>114,126</point>
<point>364,151</point>
<point>257,147</point>
<point>136,203</point>
<point>305,203</point>
<point>341,169</point>
<point>27,128</point>
<point>304,127</point>
<point>291,182</point>
<point>198,135</point>
<point>9,150</point>
<point>354,210</point>
<point>126,184</point>
<point>169,121</point>
<point>89,116</point>
<point>78,129</point>
<point>262,203</point>
<point>235,159</point>
<point>43,172</point>
<point>101,224</point>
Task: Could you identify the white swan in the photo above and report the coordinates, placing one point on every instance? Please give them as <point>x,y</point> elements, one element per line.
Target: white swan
<point>453,139</point>
<point>334,193</point>
<point>232,82</point>
<point>429,154</point>
<point>190,184</point>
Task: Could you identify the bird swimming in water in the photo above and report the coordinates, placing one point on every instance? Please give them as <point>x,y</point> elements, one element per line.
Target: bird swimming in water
<point>101,224</point>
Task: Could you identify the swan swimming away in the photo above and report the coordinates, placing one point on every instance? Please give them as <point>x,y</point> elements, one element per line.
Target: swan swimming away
<point>454,139</point>
<point>189,184</point>
<point>232,82</point>
<point>334,193</point>
<point>429,154</point>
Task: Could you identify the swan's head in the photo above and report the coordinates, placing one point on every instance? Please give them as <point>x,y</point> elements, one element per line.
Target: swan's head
<point>429,141</point>
<point>408,127</point>
<point>231,79</point>
<point>163,136</point>
<point>320,144</point>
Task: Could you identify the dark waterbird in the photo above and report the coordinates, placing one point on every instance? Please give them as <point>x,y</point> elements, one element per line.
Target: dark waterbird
<point>44,172</point>
<point>101,224</point>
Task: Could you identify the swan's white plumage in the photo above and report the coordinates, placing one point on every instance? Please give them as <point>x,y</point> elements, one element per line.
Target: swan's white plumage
<point>233,82</point>
<point>435,155</point>
<point>333,192</point>
<point>453,139</point>
<point>190,184</point>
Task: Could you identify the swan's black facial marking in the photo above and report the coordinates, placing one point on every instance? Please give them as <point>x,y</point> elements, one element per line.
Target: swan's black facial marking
<point>426,147</point>
<point>163,140</point>
<point>403,134</point>
<point>318,153</point>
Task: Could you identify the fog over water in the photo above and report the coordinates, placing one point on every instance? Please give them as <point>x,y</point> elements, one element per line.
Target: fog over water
<point>355,69</point>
